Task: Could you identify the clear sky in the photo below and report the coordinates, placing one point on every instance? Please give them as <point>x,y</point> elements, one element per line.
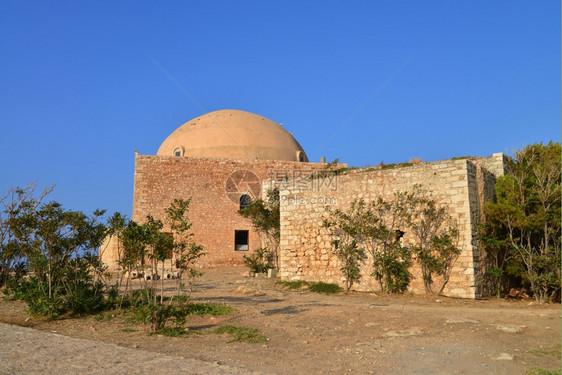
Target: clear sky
<point>81,87</point>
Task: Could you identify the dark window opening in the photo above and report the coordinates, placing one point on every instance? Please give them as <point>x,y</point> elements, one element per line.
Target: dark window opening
<point>178,151</point>
<point>244,201</point>
<point>241,240</point>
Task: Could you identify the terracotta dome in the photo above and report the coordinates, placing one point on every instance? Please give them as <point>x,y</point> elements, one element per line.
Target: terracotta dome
<point>233,134</point>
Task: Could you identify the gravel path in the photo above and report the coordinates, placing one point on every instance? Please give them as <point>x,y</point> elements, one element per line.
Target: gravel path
<point>28,351</point>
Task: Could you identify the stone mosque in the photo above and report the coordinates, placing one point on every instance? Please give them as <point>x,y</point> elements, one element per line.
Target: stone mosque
<point>223,159</point>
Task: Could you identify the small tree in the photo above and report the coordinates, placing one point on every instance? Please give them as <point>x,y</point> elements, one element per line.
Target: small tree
<point>343,228</point>
<point>134,251</point>
<point>445,246</point>
<point>378,228</point>
<point>434,235</point>
<point>265,218</point>
<point>58,246</point>
<point>527,216</point>
<point>187,252</point>
<point>16,199</point>
<point>495,248</point>
<point>160,246</point>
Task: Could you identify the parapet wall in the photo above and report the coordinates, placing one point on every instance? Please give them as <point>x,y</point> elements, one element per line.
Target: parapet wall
<point>460,185</point>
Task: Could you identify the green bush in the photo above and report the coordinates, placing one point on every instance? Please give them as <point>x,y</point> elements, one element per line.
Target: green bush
<point>143,309</point>
<point>81,297</point>
<point>85,298</point>
<point>259,261</point>
<point>29,290</point>
<point>158,314</point>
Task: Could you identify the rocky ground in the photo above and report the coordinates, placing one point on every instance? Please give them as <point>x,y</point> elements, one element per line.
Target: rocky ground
<point>307,333</point>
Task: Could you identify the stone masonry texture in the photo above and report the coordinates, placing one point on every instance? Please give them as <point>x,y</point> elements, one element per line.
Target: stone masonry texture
<point>460,185</point>
<point>214,186</point>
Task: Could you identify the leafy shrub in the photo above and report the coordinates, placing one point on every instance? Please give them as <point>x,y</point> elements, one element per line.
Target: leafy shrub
<point>29,290</point>
<point>79,297</point>
<point>157,314</point>
<point>85,298</point>
<point>259,261</point>
<point>144,310</point>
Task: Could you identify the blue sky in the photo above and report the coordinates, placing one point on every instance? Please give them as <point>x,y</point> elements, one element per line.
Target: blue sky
<point>402,79</point>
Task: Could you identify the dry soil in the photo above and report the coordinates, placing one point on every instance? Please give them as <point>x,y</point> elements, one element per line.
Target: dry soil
<point>307,333</point>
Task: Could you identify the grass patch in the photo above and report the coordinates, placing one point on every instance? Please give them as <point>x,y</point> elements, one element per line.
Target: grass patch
<point>396,165</point>
<point>131,320</point>
<point>242,334</point>
<point>174,332</point>
<point>313,286</point>
<point>324,288</point>
<point>128,330</point>
<point>464,157</point>
<point>209,308</point>
<point>292,285</point>
<point>105,316</point>
<point>549,350</point>
<point>541,371</point>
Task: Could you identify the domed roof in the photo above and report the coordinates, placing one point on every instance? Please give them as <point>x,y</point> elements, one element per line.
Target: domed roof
<point>233,134</point>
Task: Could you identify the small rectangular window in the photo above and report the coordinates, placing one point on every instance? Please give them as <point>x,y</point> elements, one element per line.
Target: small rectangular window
<point>241,240</point>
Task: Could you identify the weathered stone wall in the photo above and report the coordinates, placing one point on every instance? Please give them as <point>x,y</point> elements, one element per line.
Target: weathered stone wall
<point>487,171</point>
<point>161,179</point>
<point>306,250</point>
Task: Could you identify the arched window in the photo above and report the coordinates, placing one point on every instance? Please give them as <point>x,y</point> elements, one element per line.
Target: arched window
<point>300,156</point>
<point>178,151</point>
<point>244,201</point>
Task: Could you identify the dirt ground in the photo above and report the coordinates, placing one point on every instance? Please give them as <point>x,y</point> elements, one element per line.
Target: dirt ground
<point>361,333</point>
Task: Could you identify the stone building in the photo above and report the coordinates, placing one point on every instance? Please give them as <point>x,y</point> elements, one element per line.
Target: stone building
<point>219,160</point>
<point>222,159</point>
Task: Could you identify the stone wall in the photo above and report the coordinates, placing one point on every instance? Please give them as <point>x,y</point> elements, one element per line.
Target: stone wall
<point>461,185</point>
